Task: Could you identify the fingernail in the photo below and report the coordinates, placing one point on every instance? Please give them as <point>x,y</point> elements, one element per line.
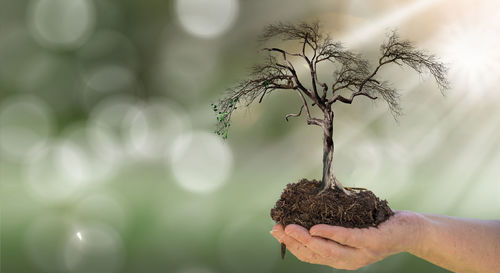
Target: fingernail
<point>275,235</point>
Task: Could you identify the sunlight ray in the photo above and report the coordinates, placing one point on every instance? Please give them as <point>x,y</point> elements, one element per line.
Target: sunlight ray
<point>389,20</point>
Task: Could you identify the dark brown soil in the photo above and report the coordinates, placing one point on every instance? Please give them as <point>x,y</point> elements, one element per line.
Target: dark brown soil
<point>300,205</point>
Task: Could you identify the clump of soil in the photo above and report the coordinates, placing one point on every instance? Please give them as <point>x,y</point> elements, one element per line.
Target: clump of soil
<point>299,204</point>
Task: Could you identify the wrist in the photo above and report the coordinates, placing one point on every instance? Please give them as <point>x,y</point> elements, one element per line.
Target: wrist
<point>422,227</point>
<point>412,228</point>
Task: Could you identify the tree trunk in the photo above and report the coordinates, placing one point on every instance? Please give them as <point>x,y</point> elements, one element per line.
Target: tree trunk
<point>329,180</point>
<point>328,148</point>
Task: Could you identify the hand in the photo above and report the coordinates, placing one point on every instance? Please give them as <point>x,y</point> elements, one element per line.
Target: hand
<point>351,248</point>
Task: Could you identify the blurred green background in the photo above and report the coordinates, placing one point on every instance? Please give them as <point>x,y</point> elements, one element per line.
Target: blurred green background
<point>108,158</point>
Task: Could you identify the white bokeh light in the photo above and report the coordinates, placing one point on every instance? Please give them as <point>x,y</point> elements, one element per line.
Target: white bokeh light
<point>104,143</point>
<point>206,19</point>
<point>46,178</point>
<point>25,123</point>
<point>107,63</point>
<point>60,169</point>
<point>61,23</point>
<point>94,248</point>
<point>201,162</point>
<point>83,160</point>
<point>155,126</point>
<point>114,116</point>
<point>133,129</point>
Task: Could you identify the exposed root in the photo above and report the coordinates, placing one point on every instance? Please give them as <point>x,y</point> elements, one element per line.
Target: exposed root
<point>336,184</point>
<point>355,189</point>
<point>321,191</point>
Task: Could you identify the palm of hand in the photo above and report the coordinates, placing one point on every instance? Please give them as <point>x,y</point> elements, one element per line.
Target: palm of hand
<point>350,248</point>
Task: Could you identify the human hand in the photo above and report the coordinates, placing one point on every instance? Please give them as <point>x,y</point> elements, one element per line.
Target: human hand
<point>351,248</point>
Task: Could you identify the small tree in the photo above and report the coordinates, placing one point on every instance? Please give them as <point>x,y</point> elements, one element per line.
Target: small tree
<point>353,74</point>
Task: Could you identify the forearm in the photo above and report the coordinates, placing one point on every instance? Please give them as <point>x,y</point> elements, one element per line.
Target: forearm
<point>460,245</point>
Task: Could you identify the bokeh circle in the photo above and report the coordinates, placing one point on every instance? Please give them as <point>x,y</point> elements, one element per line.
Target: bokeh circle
<point>25,123</point>
<point>201,162</point>
<point>61,23</point>
<point>206,19</point>
<point>94,248</point>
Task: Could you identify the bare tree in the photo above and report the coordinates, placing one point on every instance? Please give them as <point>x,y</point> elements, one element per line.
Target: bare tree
<point>353,75</point>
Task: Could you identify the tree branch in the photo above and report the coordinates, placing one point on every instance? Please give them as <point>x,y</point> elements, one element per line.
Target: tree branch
<point>353,95</point>
<point>309,35</point>
<point>314,77</point>
<point>310,120</point>
<point>294,115</point>
<point>354,72</point>
<point>291,69</point>
<point>304,48</point>
<point>396,50</point>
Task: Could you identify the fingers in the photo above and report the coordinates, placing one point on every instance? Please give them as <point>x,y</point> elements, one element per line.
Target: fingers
<point>325,248</point>
<point>346,236</point>
<point>298,249</point>
<point>317,250</point>
<point>278,232</point>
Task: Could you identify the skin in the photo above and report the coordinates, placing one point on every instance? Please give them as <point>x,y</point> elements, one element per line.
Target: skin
<point>457,244</point>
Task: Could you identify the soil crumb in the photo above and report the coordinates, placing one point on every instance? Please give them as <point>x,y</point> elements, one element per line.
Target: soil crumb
<point>300,205</point>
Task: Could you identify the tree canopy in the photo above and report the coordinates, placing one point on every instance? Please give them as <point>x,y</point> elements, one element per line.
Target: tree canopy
<point>353,73</point>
